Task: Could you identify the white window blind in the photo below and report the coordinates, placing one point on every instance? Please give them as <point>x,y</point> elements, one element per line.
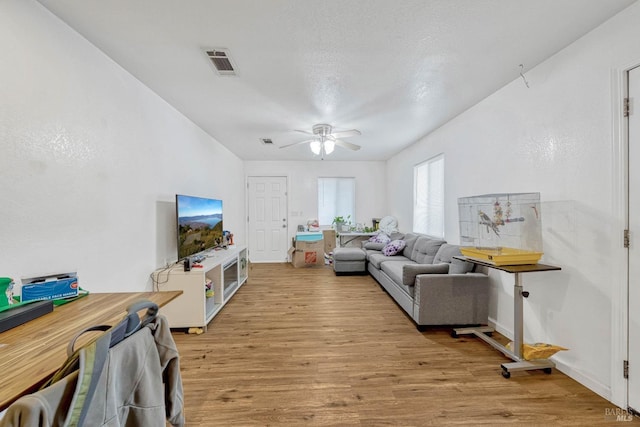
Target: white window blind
<point>428,197</point>
<point>336,197</point>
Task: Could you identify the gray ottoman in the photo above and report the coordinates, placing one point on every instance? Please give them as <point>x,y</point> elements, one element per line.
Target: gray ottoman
<point>349,260</point>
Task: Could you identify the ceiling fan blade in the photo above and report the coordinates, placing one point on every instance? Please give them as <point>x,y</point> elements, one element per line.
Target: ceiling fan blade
<point>297,143</point>
<point>304,131</point>
<point>345,144</point>
<point>345,133</point>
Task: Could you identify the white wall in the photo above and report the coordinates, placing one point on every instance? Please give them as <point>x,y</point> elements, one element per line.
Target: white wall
<point>91,160</point>
<point>302,179</point>
<point>556,137</point>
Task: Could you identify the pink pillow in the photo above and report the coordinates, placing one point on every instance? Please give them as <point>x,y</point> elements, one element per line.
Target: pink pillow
<point>393,247</point>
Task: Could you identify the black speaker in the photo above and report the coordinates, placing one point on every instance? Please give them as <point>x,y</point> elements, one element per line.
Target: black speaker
<point>187,264</point>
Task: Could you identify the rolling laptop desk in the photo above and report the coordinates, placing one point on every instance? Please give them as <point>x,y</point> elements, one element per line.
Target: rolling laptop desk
<point>32,352</point>
<point>519,363</point>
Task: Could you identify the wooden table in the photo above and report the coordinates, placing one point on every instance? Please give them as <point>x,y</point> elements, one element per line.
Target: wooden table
<point>519,363</point>
<point>32,352</point>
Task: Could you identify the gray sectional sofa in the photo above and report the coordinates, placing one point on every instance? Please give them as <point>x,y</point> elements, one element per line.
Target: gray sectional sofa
<point>431,286</point>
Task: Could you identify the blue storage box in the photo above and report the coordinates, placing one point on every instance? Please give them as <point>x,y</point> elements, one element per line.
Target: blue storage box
<point>309,236</point>
<point>50,287</point>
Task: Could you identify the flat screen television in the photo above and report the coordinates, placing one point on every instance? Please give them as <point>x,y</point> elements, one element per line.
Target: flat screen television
<point>199,224</point>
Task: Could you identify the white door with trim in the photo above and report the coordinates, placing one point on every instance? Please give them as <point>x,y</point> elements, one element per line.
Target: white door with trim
<point>268,222</point>
<point>633,382</point>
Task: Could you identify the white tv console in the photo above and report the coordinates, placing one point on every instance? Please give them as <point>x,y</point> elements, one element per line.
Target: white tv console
<point>227,269</point>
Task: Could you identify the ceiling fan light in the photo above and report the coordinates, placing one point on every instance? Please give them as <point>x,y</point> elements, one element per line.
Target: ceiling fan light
<point>329,146</point>
<point>315,147</point>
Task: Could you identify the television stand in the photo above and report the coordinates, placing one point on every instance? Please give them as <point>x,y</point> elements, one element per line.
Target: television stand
<point>198,258</point>
<point>225,270</point>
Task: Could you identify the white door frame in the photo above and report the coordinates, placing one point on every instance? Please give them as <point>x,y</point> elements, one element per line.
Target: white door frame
<point>620,260</point>
<point>246,201</point>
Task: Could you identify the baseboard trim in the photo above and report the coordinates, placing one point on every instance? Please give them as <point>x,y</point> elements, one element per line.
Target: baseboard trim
<point>501,329</point>
<point>575,374</point>
<point>570,371</point>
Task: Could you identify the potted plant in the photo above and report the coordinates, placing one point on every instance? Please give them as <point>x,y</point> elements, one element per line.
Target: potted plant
<point>338,221</point>
<point>342,223</point>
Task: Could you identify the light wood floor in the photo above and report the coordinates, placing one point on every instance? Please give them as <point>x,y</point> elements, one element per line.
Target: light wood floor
<point>304,347</point>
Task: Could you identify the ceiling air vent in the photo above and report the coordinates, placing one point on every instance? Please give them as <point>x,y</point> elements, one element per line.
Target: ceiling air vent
<point>266,141</point>
<point>221,60</point>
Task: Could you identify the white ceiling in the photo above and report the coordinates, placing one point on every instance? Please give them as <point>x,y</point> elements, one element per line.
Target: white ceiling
<point>395,70</point>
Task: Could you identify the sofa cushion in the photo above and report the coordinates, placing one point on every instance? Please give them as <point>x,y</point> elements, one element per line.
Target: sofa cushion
<point>393,247</point>
<point>371,252</point>
<point>446,252</point>
<point>349,254</point>
<point>393,269</point>
<point>410,271</point>
<point>425,250</point>
<point>377,258</point>
<point>458,266</point>
<point>410,240</point>
<point>373,246</point>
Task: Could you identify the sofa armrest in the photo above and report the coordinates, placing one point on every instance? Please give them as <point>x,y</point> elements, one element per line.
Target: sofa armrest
<point>410,271</point>
<point>451,299</point>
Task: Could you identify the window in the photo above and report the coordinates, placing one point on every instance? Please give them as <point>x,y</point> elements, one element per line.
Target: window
<point>336,197</point>
<point>428,197</point>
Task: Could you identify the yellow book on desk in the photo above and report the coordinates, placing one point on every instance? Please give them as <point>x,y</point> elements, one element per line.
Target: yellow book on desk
<point>502,256</point>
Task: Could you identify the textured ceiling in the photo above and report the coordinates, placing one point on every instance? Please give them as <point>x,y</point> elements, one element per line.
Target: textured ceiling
<point>395,70</point>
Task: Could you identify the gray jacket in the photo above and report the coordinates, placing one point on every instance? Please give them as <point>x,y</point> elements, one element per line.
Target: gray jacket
<point>130,389</point>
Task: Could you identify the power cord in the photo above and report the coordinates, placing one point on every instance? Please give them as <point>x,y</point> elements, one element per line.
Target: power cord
<point>157,279</point>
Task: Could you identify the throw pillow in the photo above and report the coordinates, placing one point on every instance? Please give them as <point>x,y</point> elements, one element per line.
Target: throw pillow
<point>410,271</point>
<point>393,247</point>
<point>380,238</point>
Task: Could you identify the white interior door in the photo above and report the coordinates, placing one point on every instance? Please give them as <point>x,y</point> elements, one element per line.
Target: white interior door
<point>268,222</point>
<point>633,383</point>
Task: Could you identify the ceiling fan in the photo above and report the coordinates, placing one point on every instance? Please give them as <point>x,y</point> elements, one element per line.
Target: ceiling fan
<point>325,139</point>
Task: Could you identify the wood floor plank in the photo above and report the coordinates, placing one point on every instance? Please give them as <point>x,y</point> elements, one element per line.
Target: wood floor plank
<point>305,347</point>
